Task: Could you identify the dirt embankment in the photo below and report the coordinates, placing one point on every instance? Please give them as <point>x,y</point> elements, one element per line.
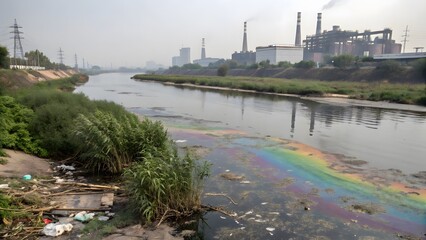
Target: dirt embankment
<point>22,78</point>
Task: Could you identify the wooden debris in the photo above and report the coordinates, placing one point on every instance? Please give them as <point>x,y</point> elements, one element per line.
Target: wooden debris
<point>223,195</point>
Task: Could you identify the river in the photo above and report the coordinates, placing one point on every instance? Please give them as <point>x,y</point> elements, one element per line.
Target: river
<point>310,169</point>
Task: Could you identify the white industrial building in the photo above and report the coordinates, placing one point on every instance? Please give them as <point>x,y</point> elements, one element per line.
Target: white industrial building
<point>279,53</point>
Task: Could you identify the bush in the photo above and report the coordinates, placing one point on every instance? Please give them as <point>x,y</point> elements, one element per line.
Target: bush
<point>343,61</point>
<point>222,70</point>
<point>388,68</point>
<point>14,127</point>
<point>109,143</point>
<point>166,184</point>
<point>305,64</point>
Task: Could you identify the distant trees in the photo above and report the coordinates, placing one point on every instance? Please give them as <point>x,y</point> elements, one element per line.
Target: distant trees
<point>222,70</point>
<point>305,64</point>
<point>37,58</point>
<point>4,63</point>
<point>191,66</point>
<point>343,61</point>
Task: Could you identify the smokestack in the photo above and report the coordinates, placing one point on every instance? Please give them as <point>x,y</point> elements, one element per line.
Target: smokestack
<point>203,49</point>
<point>318,32</point>
<point>245,38</point>
<point>298,41</point>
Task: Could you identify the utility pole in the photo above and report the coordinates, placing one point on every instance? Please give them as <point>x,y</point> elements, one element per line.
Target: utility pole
<point>84,66</point>
<point>405,38</point>
<point>61,56</point>
<point>18,52</point>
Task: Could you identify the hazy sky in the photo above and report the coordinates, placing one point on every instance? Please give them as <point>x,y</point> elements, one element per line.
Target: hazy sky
<point>132,32</point>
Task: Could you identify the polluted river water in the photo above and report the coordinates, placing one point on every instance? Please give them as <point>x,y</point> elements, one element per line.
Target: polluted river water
<point>286,168</point>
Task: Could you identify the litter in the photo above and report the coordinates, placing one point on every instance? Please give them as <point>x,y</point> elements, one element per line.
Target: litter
<point>26,177</point>
<point>103,218</point>
<point>64,167</point>
<point>84,216</point>
<point>274,213</point>
<point>264,203</point>
<point>245,182</point>
<point>180,141</point>
<point>270,229</point>
<point>4,186</point>
<point>56,229</point>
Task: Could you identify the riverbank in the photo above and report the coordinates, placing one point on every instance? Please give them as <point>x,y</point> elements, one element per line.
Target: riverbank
<point>386,95</point>
<point>15,79</point>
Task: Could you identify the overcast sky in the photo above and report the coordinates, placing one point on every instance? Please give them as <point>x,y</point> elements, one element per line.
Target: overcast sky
<point>132,32</point>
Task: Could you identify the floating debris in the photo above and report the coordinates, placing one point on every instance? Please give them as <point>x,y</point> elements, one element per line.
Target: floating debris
<point>232,176</point>
<point>264,203</point>
<point>222,217</point>
<point>180,141</point>
<point>270,229</point>
<point>245,182</point>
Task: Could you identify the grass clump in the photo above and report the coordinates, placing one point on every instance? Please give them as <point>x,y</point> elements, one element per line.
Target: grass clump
<point>166,185</point>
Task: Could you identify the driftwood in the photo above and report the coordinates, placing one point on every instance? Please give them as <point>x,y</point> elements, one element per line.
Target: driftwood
<point>222,195</point>
<point>94,186</point>
<point>217,209</point>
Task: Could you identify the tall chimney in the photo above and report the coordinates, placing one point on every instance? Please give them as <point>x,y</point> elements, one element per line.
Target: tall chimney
<point>245,38</point>
<point>318,32</point>
<point>298,41</point>
<point>203,49</point>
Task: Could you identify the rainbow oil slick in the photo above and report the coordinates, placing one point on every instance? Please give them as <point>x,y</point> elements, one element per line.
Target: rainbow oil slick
<point>301,192</point>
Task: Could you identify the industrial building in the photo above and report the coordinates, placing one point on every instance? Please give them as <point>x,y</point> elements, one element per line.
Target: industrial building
<point>183,58</point>
<point>205,61</point>
<point>279,53</point>
<point>336,42</point>
<point>244,57</point>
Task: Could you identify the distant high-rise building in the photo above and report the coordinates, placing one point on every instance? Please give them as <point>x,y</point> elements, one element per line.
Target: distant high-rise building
<point>183,58</point>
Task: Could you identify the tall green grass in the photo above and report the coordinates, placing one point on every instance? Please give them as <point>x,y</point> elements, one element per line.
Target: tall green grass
<point>375,91</point>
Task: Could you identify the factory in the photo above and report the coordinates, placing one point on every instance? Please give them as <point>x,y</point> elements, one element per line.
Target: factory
<point>245,57</point>
<point>205,61</point>
<point>317,47</point>
<point>336,42</point>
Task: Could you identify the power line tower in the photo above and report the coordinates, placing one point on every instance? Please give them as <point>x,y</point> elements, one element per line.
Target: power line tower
<point>405,38</point>
<point>18,52</point>
<point>61,56</point>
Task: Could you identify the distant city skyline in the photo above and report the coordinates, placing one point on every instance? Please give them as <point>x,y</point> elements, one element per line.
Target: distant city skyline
<point>131,33</point>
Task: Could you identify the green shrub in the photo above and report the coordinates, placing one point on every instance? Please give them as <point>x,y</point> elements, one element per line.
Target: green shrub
<point>222,70</point>
<point>305,64</point>
<point>14,127</point>
<point>109,143</point>
<point>343,61</point>
<point>165,184</point>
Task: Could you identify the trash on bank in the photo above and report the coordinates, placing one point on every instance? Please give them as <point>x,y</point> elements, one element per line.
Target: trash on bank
<point>84,216</point>
<point>4,186</point>
<point>103,218</point>
<point>64,167</point>
<point>56,229</point>
<point>27,177</point>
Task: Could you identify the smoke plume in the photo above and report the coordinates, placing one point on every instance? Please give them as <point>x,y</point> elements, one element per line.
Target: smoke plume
<point>331,4</point>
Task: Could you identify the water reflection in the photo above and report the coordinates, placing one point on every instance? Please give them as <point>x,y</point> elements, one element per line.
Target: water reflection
<point>384,138</point>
